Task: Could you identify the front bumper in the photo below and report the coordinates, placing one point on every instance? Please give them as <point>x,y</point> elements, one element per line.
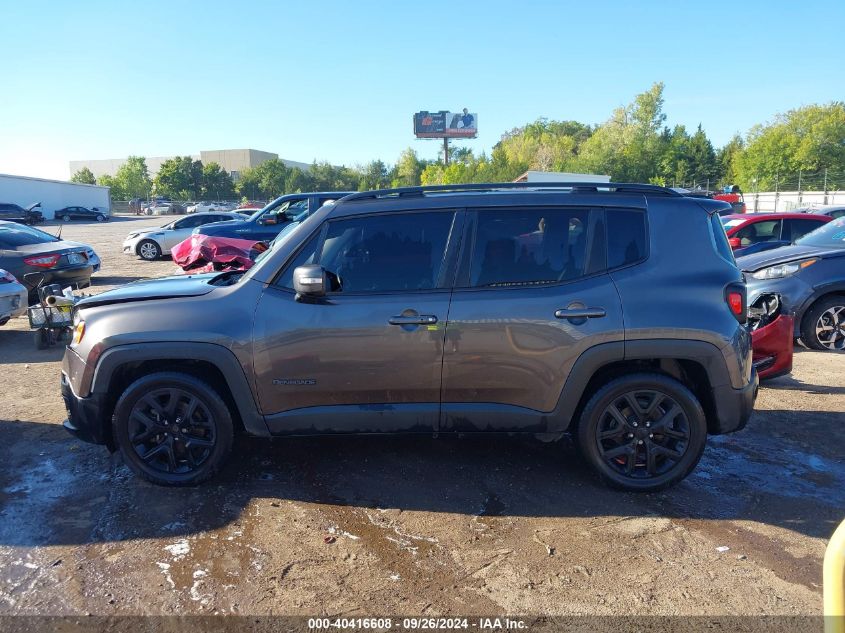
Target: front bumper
<point>734,406</point>
<point>793,292</point>
<point>85,415</point>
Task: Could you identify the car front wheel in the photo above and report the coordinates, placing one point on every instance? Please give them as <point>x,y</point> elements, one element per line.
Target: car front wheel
<point>101,218</point>
<point>642,432</point>
<point>823,327</point>
<point>149,250</point>
<point>172,429</point>
<point>65,218</point>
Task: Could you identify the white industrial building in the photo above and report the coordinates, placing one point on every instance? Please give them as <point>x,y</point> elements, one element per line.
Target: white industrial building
<point>52,194</point>
<point>560,176</point>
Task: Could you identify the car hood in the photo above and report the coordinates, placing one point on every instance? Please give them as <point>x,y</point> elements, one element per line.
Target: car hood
<point>164,288</point>
<point>756,261</point>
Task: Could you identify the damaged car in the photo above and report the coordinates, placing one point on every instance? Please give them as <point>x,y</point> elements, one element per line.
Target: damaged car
<point>809,277</point>
<point>206,254</point>
<point>771,336</point>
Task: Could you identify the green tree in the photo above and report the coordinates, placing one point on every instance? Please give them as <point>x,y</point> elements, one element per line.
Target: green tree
<point>726,158</point>
<point>374,176</point>
<point>133,178</point>
<point>810,139</point>
<point>180,177</point>
<point>117,193</point>
<point>217,183</point>
<point>409,168</point>
<point>84,176</point>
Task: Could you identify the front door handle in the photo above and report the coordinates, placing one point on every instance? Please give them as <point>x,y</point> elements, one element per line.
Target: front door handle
<point>417,319</point>
<point>581,313</point>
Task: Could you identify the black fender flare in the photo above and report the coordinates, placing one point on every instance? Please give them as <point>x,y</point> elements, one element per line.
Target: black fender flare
<point>594,359</point>
<point>221,357</point>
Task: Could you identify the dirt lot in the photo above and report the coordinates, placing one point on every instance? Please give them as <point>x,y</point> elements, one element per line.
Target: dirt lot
<point>419,526</point>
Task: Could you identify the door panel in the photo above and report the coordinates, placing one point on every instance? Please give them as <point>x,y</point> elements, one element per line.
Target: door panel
<point>344,353</point>
<point>536,297</point>
<point>506,347</point>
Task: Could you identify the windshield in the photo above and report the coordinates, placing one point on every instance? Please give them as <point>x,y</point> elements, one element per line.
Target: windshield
<point>281,238</point>
<point>830,235</point>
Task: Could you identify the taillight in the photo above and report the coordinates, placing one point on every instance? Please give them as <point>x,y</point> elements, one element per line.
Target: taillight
<point>42,261</point>
<point>735,297</point>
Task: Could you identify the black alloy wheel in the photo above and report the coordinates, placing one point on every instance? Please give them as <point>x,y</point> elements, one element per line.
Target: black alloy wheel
<point>172,429</point>
<point>642,432</point>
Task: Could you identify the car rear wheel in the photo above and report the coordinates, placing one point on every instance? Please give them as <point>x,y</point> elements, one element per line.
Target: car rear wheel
<point>642,432</point>
<point>101,218</point>
<point>172,429</point>
<point>149,250</point>
<point>65,218</point>
<point>823,326</point>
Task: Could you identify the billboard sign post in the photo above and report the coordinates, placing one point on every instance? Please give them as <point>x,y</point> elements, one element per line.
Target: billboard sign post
<point>444,124</point>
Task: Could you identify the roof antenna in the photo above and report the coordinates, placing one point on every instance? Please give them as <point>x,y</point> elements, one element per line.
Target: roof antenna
<point>59,234</point>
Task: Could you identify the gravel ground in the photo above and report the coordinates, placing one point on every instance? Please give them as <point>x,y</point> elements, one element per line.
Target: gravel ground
<point>414,526</point>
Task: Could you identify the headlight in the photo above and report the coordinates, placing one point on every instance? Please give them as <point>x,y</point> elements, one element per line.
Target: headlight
<point>78,329</point>
<point>782,270</point>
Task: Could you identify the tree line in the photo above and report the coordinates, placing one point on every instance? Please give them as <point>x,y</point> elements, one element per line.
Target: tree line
<point>633,145</point>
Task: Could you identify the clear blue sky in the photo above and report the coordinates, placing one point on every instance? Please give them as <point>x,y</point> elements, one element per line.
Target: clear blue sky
<point>339,81</point>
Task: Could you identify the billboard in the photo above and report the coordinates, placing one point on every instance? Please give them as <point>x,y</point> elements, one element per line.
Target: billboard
<point>445,124</point>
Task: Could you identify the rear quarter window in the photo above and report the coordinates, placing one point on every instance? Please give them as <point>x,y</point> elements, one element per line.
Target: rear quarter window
<point>626,237</point>
<point>720,238</point>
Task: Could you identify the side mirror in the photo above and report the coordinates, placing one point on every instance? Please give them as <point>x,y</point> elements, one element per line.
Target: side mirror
<point>735,242</point>
<point>309,281</point>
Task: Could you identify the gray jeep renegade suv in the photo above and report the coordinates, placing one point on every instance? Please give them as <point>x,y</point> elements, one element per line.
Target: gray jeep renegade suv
<point>612,312</point>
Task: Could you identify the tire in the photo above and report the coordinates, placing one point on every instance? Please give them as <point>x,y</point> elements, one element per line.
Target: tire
<point>629,451</point>
<point>823,325</point>
<point>148,250</point>
<point>101,218</point>
<point>65,218</point>
<point>150,435</point>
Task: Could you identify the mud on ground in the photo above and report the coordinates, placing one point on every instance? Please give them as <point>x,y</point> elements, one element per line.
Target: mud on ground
<point>415,526</point>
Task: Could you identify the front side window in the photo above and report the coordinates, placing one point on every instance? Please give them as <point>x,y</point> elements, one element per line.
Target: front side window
<point>288,211</point>
<point>764,231</point>
<point>529,247</point>
<point>387,253</point>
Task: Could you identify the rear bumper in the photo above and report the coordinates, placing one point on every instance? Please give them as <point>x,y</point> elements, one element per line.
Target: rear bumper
<point>734,406</point>
<point>13,301</point>
<point>773,346</point>
<point>85,415</point>
<point>76,277</point>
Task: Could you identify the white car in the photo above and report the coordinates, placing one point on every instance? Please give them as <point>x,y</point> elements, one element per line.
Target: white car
<point>151,244</point>
<point>13,297</point>
<point>210,207</point>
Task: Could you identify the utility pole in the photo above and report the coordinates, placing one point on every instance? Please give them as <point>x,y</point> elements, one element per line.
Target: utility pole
<point>446,150</point>
<point>799,187</point>
<point>825,186</point>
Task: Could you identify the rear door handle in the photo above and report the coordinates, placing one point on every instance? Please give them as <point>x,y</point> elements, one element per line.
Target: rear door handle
<point>419,319</point>
<point>581,313</point>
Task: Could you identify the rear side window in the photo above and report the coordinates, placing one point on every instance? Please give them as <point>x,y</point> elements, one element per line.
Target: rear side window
<point>529,247</point>
<point>720,238</point>
<point>387,253</point>
<point>793,229</point>
<point>626,237</point>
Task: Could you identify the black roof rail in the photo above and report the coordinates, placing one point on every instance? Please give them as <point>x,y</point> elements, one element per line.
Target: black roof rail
<point>573,187</point>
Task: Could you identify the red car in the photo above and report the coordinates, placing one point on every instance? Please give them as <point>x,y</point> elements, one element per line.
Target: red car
<point>754,232</point>
<point>771,336</point>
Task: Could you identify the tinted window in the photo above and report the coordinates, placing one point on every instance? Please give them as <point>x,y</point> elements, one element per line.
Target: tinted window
<point>717,226</point>
<point>626,237</point>
<point>793,229</point>
<point>830,235</point>
<point>14,236</point>
<point>764,231</point>
<point>387,252</point>
<point>528,247</point>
